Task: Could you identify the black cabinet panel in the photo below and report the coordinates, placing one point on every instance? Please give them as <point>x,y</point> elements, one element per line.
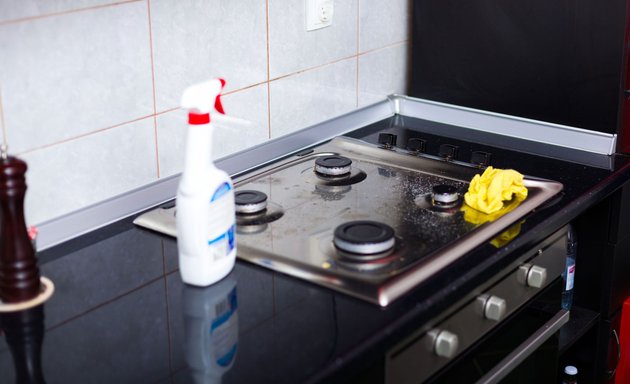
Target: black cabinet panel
<point>620,216</point>
<point>602,280</point>
<point>558,61</point>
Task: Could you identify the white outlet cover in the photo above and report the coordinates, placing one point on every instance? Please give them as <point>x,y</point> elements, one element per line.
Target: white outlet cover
<point>319,14</point>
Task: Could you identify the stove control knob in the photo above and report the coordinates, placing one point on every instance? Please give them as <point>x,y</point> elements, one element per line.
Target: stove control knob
<point>532,275</point>
<point>480,158</point>
<point>444,343</point>
<point>416,144</point>
<point>388,140</point>
<point>448,151</point>
<point>492,307</point>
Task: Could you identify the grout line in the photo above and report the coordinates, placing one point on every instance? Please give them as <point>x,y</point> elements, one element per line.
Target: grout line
<point>2,125</point>
<point>104,303</point>
<point>62,13</point>
<point>168,311</point>
<point>268,76</point>
<point>340,60</point>
<point>164,112</point>
<point>85,135</point>
<point>244,88</point>
<point>155,130</point>
<point>402,42</point>
<point>312,68</point>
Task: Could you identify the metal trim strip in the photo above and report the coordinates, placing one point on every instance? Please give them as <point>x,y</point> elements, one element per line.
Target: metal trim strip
<point>512,126</point>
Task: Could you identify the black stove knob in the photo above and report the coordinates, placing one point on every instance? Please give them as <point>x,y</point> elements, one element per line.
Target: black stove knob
<point>448,151</point>
<point>388,140</point>
<point>480,158</point>
<point>416,144</point>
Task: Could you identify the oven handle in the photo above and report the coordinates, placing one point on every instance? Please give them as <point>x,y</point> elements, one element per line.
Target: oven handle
<point>529,346</point>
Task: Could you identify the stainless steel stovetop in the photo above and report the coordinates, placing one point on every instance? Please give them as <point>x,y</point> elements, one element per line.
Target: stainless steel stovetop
<point>295,234</point>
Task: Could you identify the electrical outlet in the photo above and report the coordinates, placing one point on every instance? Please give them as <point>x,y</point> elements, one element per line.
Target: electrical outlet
<point>319,14</point>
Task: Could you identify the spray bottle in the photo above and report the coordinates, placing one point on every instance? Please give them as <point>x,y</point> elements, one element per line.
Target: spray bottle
<point>205,197</point>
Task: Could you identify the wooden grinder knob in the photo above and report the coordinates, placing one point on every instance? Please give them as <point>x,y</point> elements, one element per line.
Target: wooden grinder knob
<point>19,274</point>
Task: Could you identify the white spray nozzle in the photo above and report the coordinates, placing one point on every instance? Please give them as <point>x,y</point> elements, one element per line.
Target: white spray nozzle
<point>204,97</point>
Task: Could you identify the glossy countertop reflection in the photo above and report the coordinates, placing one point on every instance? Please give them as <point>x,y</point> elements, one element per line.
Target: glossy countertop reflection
<point>118,316</point>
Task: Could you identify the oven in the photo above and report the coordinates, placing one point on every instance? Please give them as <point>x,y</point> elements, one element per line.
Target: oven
<point>375,211</point>
<point>508,333</point>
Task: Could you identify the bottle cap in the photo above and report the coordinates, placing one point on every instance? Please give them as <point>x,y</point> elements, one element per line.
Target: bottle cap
<point>570,370</point>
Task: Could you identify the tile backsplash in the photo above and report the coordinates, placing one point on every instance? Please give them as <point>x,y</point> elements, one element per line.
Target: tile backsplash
<point>89,89</point>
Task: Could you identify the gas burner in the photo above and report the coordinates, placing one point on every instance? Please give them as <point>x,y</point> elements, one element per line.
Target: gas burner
<point>378,265</point>
<point>444,200</point>
<point>364,240</point>
<point>253,212</point>
<point>333,175</point>
<point>333,166</point>
<point>249,202</point>
<point>444,196</point>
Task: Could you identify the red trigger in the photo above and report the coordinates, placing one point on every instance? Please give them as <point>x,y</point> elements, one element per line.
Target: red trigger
<point>217,103</point>
<point>218,106</point>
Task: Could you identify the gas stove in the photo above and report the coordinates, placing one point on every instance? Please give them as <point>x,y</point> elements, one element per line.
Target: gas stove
<point>370,220</point>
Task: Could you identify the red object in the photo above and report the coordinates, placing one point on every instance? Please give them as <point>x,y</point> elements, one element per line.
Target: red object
<point>32,232</point>
<point>198,119</point>
<point>217,103</point>
<point>623,369</point>
<point>204,118</point>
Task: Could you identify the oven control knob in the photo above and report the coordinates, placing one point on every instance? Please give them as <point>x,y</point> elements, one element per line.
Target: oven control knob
<point>444,343</point>
<point>532,275</point>
<point>388,140</point>
<point>492,307</point>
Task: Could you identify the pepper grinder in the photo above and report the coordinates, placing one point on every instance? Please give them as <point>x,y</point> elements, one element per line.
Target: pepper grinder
<point>19,274</point>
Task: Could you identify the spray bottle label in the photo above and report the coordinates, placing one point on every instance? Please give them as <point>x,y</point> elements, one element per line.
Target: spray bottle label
<point>221,227</point>
<point>570,277</point>
<point>222,246</point>
<point>221,191</point>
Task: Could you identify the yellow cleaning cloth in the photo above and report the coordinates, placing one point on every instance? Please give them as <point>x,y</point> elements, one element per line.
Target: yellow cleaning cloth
<point>487,192</point>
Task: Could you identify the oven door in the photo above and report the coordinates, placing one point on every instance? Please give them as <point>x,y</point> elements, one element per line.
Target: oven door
<point>507,333</point>
<point>524,349</point>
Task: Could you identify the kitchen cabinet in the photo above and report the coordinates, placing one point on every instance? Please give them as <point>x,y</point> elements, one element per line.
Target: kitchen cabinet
<point>601,286</point>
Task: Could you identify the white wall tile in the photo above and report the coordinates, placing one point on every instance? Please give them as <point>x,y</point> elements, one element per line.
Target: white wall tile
<point>71,68</point>
<point>195,41</point>
<point>313,96</point>
<point>249,104</point>
<point>292,48</point>
<point>383,72</point>
<point>77,173</point>
<point>383,23</point>
<point>18,9</point>
<point>71,74</point>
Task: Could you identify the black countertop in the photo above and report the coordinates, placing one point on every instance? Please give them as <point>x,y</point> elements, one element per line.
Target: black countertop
<point>120,312</point>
